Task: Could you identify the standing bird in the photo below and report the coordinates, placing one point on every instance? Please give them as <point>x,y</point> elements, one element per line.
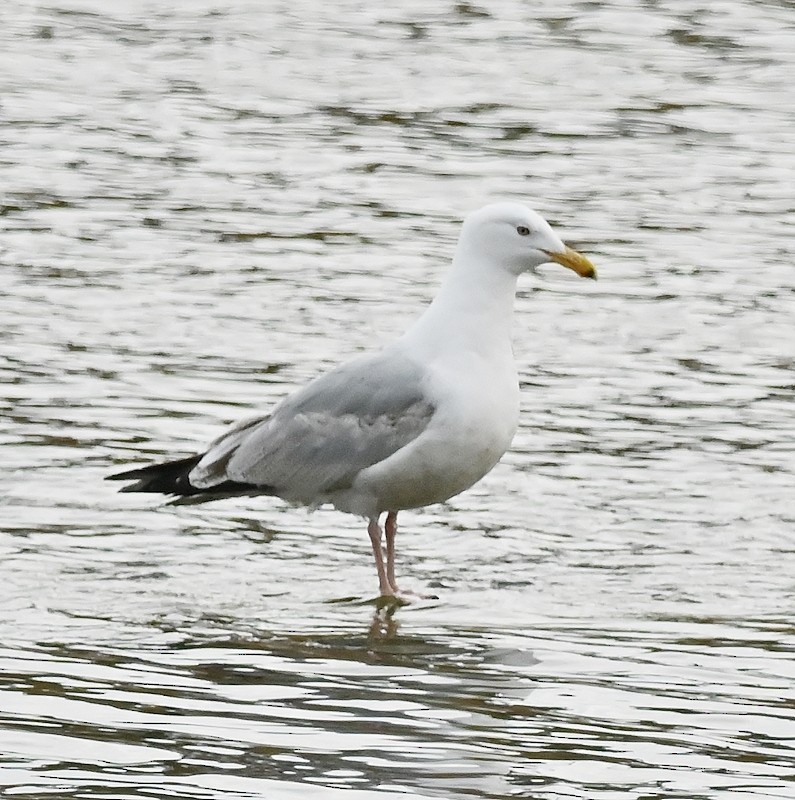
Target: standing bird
<point>412,425</point>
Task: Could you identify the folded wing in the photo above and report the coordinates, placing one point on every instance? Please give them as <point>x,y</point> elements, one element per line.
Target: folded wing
<point>320,438</point>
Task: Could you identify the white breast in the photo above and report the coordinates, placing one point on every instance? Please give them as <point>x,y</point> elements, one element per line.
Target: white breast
<point>477,413</point>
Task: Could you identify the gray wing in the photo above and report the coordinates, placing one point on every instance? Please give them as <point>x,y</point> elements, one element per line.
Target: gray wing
<point>321,437</point>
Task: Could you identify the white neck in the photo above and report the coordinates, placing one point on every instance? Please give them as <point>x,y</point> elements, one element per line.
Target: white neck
<point>472,310</point>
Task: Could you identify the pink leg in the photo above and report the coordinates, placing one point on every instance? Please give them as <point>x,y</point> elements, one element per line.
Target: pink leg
<point>390,528</point>
<point>384,585</point>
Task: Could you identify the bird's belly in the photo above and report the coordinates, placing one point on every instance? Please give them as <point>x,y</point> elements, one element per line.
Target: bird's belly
<point>456,450</point>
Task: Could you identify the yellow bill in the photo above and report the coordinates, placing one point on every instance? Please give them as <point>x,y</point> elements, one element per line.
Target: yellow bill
<point>574,260</point>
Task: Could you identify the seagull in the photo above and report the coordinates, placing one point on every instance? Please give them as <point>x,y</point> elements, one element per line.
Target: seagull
<point>412,425</point>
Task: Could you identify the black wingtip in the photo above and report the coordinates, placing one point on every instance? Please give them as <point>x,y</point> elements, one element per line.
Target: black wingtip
<point>127,475</point>
<point>172,478</point>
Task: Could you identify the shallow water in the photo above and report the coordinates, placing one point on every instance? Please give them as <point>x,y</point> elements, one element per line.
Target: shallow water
<point>204,205</point>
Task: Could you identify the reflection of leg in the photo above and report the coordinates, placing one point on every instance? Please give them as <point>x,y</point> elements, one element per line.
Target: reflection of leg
<point>385,587</point>
<point>390,528</point>
<point>384,626</point>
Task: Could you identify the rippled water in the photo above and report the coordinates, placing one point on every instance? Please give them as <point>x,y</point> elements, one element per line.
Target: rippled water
<point>205,204</point>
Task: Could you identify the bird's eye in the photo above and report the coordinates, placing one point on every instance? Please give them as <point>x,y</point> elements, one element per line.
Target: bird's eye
<point>523,231</point>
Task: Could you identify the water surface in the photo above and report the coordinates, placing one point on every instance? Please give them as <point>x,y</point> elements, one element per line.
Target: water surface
<point>204,205</point>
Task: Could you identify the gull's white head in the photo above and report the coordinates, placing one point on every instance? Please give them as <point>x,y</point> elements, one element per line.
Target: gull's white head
<point>517,239</point>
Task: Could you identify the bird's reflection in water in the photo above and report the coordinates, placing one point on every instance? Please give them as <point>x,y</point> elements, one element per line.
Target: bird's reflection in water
<point>383,625</point>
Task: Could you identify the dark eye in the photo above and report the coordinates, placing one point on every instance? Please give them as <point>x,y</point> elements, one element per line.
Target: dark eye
<point>523,231</point>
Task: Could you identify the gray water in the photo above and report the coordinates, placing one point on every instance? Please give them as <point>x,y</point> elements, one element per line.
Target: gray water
<point>203,205</point>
